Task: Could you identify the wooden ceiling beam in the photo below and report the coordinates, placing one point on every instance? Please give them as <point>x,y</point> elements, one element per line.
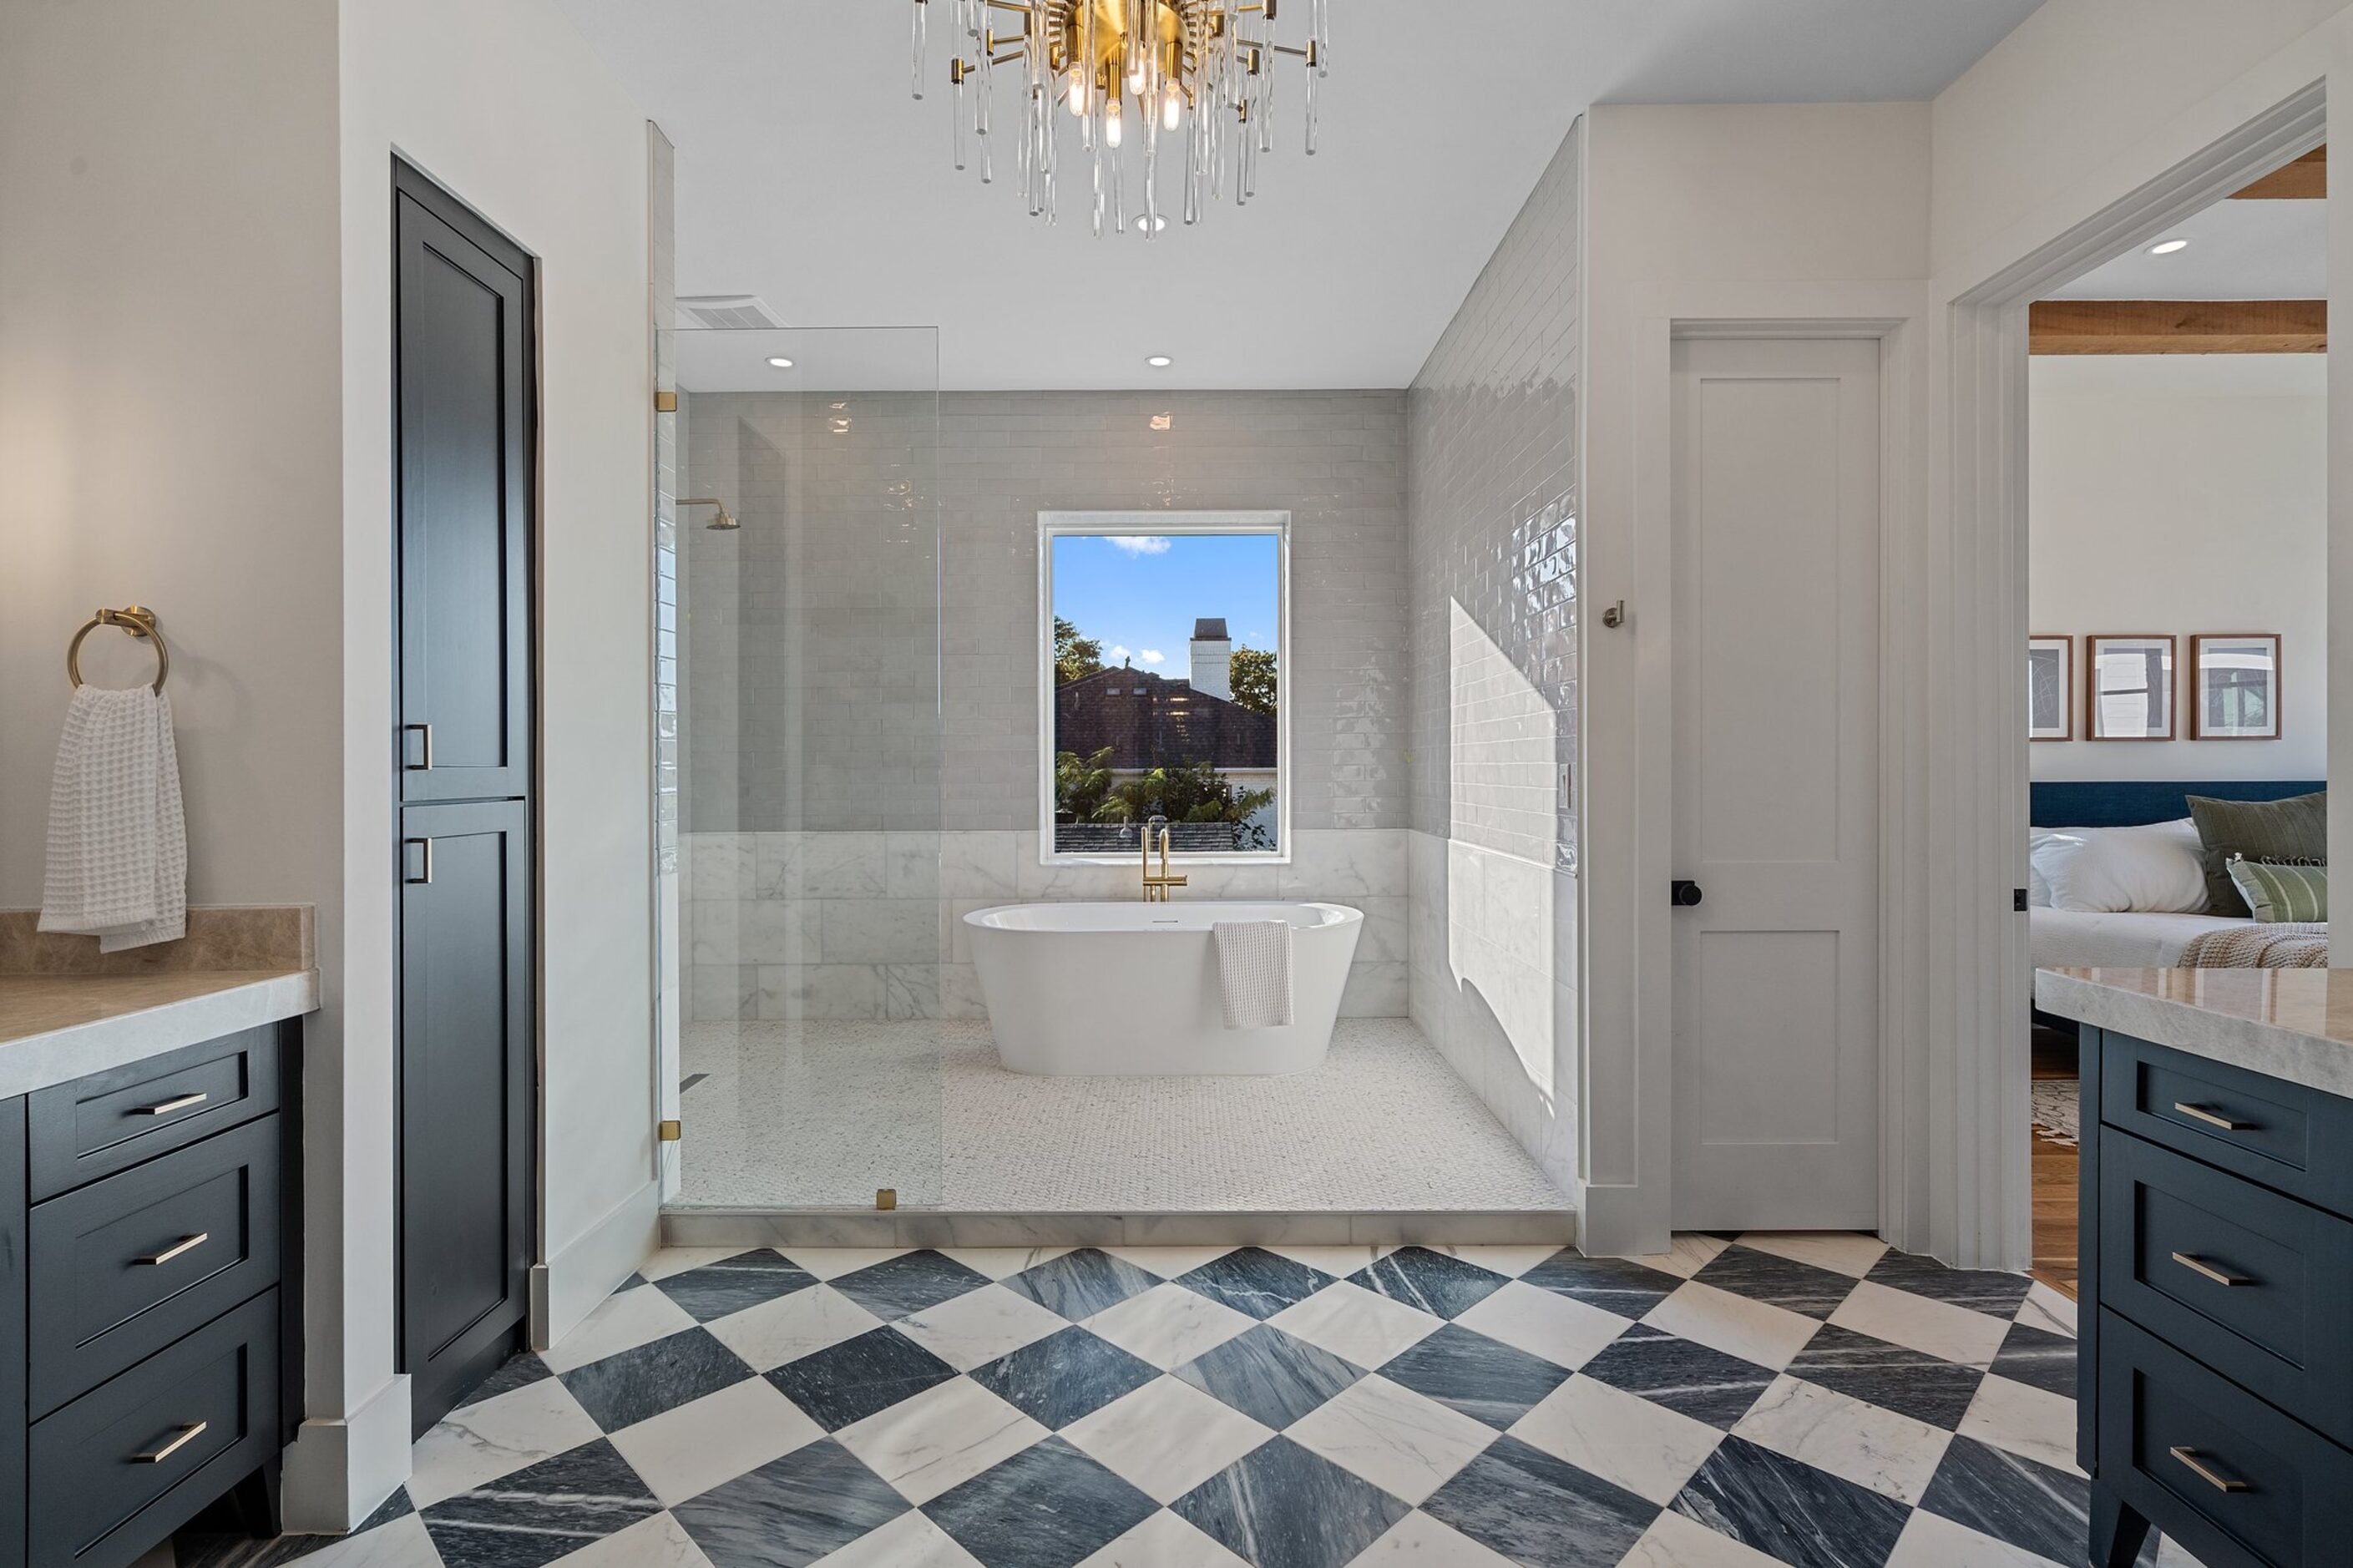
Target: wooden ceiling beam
<point>2178,327</point>
<point>2305,180</point>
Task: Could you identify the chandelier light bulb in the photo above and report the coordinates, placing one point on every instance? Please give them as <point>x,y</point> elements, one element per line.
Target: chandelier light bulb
<point>1200,73</point>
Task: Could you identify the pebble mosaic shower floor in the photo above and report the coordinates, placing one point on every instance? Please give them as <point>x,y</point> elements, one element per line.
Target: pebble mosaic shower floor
<point>821,1114</point>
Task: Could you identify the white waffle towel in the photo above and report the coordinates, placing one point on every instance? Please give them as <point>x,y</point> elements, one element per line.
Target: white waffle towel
<point>117,846</point>
<point>1254,971</point>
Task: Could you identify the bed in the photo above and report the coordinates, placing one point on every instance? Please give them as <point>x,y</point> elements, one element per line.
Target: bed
<point>2059,938</point>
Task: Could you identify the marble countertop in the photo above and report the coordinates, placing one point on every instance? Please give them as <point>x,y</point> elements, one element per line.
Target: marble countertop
<point>57,1027</point>
<point>2292,1024</point>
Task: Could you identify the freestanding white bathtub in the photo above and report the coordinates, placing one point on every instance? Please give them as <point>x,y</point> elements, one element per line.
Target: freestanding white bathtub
<point>1130,989</point>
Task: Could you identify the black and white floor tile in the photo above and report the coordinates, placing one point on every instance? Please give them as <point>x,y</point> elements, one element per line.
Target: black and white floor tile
<point>1810,1400</point>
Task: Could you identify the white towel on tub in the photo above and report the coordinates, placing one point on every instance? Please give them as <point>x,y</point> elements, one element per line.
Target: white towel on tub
<point>1254,971</point>
<point>118,862</point>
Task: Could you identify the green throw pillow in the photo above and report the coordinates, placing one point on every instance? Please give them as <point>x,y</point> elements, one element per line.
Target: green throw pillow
<point>2291,832</point>
<point>2282,892</point>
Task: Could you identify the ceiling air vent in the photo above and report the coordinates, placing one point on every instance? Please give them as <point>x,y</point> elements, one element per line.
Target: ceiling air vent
<point>727,311</point>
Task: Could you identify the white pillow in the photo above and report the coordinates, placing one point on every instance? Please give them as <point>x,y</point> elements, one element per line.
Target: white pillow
<point>2156,869</point>
<point>2038,887</point>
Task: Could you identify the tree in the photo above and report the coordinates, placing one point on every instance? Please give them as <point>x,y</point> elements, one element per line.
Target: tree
<point>1075,658</point>
<point>1080,784</point>
<point>1253,680</point>
<point>1188,792</point>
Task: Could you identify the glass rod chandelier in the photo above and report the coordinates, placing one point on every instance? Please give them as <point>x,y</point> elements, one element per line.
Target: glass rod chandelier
<point>1172,85</point>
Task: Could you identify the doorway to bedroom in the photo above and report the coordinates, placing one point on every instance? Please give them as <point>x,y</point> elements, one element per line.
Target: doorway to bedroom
<point>2177,594</point>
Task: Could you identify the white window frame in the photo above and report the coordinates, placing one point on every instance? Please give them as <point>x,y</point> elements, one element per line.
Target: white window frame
<point>1052,525</point>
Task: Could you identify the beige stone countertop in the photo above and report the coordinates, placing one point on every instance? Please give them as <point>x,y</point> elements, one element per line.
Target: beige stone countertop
<point>2291,1024</point>
<point>57,1027</point>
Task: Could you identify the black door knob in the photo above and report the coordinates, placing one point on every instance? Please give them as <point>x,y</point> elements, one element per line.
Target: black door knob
<point>1683,892</point>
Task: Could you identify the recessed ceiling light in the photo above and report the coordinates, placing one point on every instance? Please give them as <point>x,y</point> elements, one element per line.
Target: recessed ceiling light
<point>2167,246</point>
<point>781,363</point>
<point>1157,223</point>
<point>1160,362</point>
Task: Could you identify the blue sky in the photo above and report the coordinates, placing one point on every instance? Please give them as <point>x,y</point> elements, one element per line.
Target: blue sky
<point>1141,594</point>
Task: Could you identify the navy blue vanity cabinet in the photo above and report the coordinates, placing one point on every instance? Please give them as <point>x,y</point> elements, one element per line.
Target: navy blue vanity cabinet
<point>2217,1312</point>
<point>148,1320</point>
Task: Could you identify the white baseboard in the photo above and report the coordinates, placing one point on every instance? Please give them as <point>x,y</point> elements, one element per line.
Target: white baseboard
<point>340,1471</point>
<point>569,1285</point>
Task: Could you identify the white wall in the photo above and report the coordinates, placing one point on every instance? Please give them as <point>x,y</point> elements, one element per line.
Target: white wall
<point>507,107</point>
<point>1694,214</point>
<point>2183,493</point>
<point>195,367</point>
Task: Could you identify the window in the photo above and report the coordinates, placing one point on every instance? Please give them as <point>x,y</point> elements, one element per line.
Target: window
<point>1162,639</point>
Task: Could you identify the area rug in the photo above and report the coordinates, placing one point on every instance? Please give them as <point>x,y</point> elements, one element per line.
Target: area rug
<point>2057,1114</point>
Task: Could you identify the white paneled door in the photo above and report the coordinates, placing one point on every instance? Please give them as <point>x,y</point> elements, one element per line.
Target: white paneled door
<point>1776,639</point>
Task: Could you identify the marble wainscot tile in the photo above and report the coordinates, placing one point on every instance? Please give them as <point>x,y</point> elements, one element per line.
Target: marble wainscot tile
<point>244,937</point>
<point>1382,938</point>
<point>820,866</point>
<point>1376,991</point>
<point>910,865</point>
<point>831,992</point>
<point>881,931</point>
<point>978,866</point>
<point>1346,864</point>
<point>721,866</point>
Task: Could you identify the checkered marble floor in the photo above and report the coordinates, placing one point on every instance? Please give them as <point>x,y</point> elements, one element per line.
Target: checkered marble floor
<point>1805,1399</point>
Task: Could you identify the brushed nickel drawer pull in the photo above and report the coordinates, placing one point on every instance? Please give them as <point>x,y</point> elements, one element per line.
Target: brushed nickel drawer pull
<point>2207,1473</point>
<point>2209,1117</point>
<point>184,1102</point>
<point>195,1430</point>
<point>2200,1266</point>
<point>190,1243</point>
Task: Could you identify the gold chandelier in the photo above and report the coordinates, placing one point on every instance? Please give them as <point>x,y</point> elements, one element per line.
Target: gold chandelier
<point>1185,89</point>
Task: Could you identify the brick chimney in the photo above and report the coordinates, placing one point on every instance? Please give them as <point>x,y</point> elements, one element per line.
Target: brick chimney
<point>1213,658</point>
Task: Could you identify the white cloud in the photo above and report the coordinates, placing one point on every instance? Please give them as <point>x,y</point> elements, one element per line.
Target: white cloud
<point>1140,544</point>
<point>1115,653</point>
<point>1150,656</point>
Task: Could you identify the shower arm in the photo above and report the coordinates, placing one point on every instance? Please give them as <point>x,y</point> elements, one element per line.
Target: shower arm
<point>724,522</point>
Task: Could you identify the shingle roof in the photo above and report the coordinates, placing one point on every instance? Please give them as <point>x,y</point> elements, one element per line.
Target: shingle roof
<point>1150,719</point>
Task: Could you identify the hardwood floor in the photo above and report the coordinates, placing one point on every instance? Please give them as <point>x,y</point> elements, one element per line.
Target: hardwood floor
<point>2055,1195</point>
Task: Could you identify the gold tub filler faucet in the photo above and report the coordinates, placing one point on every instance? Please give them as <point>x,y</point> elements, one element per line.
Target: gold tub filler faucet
<point>1155,889</point>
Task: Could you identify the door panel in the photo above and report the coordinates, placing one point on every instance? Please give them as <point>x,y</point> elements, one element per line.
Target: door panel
<point>1775,683</point>
<point>464,504</point>
<point>465,1092</point>
<point>464,377</point>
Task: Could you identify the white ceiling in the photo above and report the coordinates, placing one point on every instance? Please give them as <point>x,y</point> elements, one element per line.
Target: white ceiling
<point>806,176</point>
<point>2238,250</point>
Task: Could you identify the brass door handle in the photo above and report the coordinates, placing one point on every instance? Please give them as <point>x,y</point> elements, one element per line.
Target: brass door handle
<point>2200,1266</point>
<point>185,1245</point>
<point>2207,1473</point>
<point>188,1434</point>
<point>427,764</point>
<point>2209,1117</point>
<point>166,1107</point>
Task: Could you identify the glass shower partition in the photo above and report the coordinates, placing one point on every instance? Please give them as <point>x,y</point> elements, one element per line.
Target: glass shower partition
<point>813,929</point>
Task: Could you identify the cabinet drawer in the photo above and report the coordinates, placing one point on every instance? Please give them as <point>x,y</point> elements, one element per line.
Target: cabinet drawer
<point>2257,1286</point>
<point>2211,1465</point>
<point>110,1121</point>
<point>123,1266</point>
<point>2276,1133</point>
<point>121,1467</point>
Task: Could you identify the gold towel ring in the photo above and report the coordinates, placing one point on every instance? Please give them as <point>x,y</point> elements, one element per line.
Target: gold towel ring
<point>136,619</point>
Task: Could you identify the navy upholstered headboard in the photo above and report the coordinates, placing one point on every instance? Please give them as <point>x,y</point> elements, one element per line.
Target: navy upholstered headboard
<point>2124,803</point>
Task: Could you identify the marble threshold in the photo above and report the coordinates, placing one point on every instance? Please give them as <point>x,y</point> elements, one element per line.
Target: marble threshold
<point>940,1227</point>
